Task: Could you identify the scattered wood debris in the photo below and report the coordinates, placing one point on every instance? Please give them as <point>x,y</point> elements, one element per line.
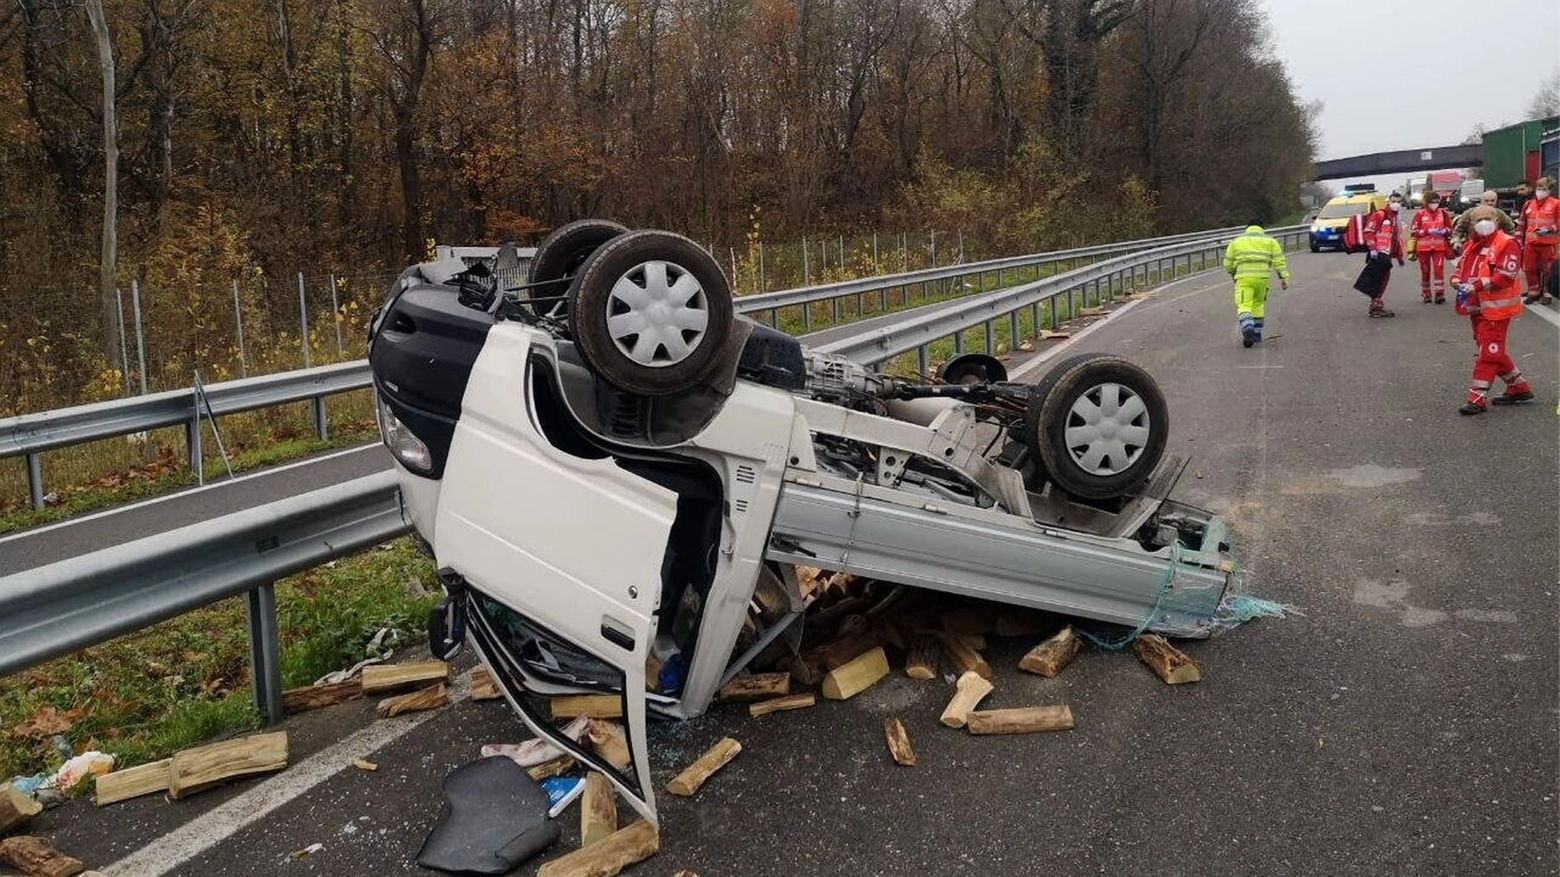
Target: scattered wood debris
<point>200,768</point>
<point>556,767</point>
<point>1048,658</point>
<point>1091,312</point>
<point>779,704</point>
<point>364,764</point>
<point>695,775</point>
<point>1171,664</point>
<point>971,689</point>
<point>132,782</point>
<point>1024,720</point>
<point>16,807</point>
<point>482,685</point>
<point>856,676</point>
<point>607,857</point>
<point>1048,334</point>
<point>596,706</point>
<point>963,657</point>
<point>312,697</point>
<point>36,857</point>
<point>598,810</point>
<point>432,697</point>
<point>609,743</point>
<point>922,657</point>
<point>898,742</point>
<point>756,686</point>
<point>389,677</point>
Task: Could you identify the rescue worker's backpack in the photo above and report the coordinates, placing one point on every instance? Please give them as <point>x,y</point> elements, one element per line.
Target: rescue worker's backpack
<point>1354,234</point>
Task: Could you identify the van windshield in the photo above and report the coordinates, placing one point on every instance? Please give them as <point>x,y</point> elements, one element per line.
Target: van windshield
<point>1340,211</point>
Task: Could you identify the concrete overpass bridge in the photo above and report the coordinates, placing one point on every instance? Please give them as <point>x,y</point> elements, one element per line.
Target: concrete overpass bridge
<point>1402,161</point>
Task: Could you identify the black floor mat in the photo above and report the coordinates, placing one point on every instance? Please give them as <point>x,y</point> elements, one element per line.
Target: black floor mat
<point>495,818</point>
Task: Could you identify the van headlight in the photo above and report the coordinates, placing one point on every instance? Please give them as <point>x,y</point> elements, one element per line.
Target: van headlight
<point>403,443</point>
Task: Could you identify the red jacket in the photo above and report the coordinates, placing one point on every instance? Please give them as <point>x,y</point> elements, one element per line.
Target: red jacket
<point>1430,230</point>
<point>1539,222</point>
<point>1491,266</point>
<point>1381,233</point>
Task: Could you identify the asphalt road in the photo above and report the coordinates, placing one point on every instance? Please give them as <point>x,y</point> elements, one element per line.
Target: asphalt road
<point>1406,723</point>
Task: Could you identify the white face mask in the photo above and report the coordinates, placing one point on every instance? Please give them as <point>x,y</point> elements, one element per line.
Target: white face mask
<point>1394,205</point>
<point>1540,194</point>
<point>1484,228</point>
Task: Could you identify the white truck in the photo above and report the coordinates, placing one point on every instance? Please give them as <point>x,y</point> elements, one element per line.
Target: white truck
<point>606,465</point>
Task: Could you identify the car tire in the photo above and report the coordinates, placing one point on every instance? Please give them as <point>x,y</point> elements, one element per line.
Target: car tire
<point>560,258</point>
<point>972,368</point>
<point>627,321</point>
<point>1029,432</point>
<point>1112,395</point>
<point>1315,248</point>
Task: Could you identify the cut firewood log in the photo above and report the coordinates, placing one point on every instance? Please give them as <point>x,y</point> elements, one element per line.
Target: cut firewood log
<point>556,767</point>
<point>1022,623</point>
<point>695,775</point>
<point>964,658</point>
<point>824,624</point>
<point>609,743</point>
<point>596,706</point>
<point>191,770</point>
<point>971,689</point>
<point>16,807</point>
<point>887,604</point>
<point>757,686</point>
<point>388,677</point>
<point>598,810</point>
<point>898,742</point>
<point>976,641</point>
<point>132,782</point>
<point>922,657</point>
<point>1021,721</point>
<point>1168,662</point>
<point>810,581</point>
<point>607,857</point>
<point>855,676</point>
<point>779,704</point>
<point>810,668</point>
<point>1091,312</point>
<point>1048,334</point>
<point>841,584</point>
<point>483,687</point>
<point>36,857</point>
<point>311,697</point>
<point>1051,656</point>
<point>432,697</point>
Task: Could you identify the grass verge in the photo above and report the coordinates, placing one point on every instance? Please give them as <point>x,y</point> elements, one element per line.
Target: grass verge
<point>144,696</point>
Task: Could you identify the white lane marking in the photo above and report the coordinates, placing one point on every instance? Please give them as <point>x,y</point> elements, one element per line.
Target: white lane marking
<point>1546,313</point>
<point>183,493</point>
<point>1035,362</point>
<point>220,823</point>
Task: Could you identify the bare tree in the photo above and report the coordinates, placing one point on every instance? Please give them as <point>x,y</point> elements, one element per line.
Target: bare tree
<point>109,256</point>
<point>1546,103</point>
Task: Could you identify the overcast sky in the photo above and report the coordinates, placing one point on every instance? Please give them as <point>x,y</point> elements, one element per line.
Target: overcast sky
<point>1333,49</point>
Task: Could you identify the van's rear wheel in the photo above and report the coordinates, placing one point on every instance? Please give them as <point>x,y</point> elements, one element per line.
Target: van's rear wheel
<point>560,257</point>
<point>1101,426</point>
<point>650,312</point>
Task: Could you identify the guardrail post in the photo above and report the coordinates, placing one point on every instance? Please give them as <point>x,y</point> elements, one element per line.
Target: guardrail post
<point>321,423</point>
<point>265,653</point>
<point>806,316</point>
<point>834,309</point>
<point>192,441</point>
<point>920,360</point>
<point>991,339</point>
<point>1014,333</point>
<point>35,481</point>
<point>958,341</point>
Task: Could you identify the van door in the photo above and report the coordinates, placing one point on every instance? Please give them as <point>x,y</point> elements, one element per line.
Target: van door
<point>561,552</point>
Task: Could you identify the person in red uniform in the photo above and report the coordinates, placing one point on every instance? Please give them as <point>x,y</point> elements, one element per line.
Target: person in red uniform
<point>1486,282</point>
<point>1431,231</point>
<point>1384,239</point>
<point>1538,230</point>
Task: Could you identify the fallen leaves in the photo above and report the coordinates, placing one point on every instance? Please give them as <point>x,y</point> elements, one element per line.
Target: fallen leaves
<point>46,722</point>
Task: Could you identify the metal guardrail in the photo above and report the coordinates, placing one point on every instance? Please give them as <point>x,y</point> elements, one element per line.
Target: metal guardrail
<point>31,434</point>
<point>918,332</point>
<point>56,609</point>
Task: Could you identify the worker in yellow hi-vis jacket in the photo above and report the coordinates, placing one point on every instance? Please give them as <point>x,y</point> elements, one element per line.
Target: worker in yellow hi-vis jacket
<point>1249,259</point>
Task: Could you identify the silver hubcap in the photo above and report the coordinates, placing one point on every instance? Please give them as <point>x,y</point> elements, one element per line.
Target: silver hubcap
<point>1107,429</point>
<point>657,314</point>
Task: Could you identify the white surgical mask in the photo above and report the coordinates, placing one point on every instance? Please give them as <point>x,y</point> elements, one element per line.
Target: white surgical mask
<point>1540,194</point>
<point>1484,228</point>
<point>1394,204</point>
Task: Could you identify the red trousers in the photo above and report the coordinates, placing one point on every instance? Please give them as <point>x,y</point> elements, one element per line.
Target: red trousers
<point>1493,362</point>
<point>1537,261</point>
<point>1432,261</point>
